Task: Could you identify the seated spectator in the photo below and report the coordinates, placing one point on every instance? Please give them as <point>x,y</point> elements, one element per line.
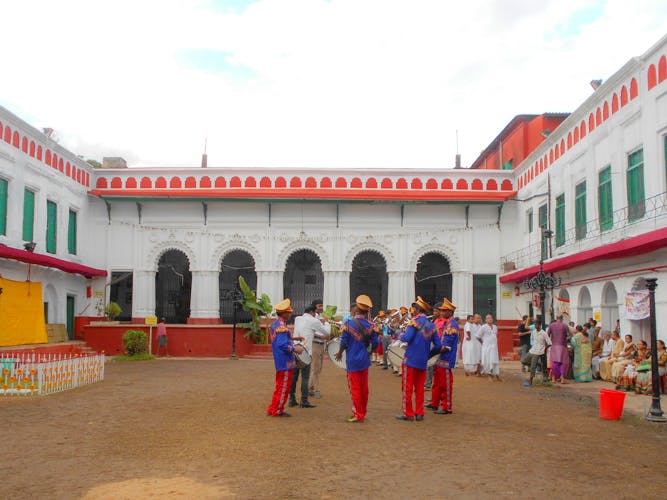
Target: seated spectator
<point>662,365</point>
<point>626,357</point>
<point>643,376</point>
<point>599,345</point>
<point>606,364</point>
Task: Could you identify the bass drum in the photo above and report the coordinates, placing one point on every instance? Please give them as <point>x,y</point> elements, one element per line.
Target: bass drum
<point>303,358</point>
<point>396,353</point>
<point>333,346</point>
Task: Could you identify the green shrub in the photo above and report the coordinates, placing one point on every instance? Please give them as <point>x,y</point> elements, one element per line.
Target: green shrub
<point>113,310</point>
<point>135,342</point>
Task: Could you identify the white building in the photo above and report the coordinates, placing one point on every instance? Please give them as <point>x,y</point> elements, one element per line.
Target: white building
<point>174,241</point>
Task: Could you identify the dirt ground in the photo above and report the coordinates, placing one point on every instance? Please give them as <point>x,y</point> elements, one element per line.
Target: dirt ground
<point>198,429</point>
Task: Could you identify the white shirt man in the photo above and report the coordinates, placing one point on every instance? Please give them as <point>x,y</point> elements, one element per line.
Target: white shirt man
<point>317,332</point>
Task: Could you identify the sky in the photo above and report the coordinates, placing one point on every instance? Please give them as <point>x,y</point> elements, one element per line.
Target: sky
<point>306,83</point>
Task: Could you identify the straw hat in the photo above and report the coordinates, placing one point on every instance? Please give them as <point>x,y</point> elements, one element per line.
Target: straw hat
<point>364,302</point>
<point>447,305</point>
<point>284,306</point>
<point>423,304</point>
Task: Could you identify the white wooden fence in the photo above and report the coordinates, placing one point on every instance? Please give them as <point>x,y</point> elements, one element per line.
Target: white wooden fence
<point>25,374</point>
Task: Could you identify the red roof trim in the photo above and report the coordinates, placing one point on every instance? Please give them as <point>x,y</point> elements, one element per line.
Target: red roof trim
<point>48,261</point>
<point>637,245</point>
<point>300,193</point>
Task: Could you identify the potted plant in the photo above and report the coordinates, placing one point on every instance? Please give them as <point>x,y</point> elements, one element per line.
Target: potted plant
<point>258,308</point>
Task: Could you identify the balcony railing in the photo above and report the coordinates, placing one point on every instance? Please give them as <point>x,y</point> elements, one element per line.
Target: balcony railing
<point>628,221</point>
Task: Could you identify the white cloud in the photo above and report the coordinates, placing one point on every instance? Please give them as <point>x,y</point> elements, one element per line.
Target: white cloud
<point>346,83</point>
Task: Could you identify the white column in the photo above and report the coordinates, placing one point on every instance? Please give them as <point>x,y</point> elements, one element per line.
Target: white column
<point>337,289</point>
<point>205,294</point>
<point>401,290</point>
<point>270,282</point>
<point>462,293</point>
<point>143,294</point>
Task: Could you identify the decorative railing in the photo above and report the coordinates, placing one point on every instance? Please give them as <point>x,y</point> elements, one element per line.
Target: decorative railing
<point>26,374</point>
<point>641,217</point>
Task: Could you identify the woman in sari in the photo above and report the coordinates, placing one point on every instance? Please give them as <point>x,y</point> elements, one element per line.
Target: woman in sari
<point>583,353</point>
<point>626,357</point>
<point>643,378</point>
<point>662,365</point>
<point>606,364</point>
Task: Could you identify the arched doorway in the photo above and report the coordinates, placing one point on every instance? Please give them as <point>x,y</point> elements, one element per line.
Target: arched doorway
<point>173,284</point>
<point>234,264</point>
<point>584,308</point>
<point>369,276</point>
<point>609,307</point>
<point>433,278</point>
<point>303,280</point>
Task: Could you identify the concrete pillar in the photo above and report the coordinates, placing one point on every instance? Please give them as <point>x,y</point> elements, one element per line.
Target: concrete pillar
<point>143,294</point>
<point>270,282</point>
<point>401,289</point>
<point>205,297</point>
<point>337,289</point>
<point>462,293</point>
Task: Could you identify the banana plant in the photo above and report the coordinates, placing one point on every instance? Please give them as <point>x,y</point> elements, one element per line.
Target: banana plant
<point>258,308</point>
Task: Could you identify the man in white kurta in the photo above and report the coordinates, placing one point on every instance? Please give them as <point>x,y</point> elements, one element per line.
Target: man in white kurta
<point>488,336</point>
<point>469,347</point>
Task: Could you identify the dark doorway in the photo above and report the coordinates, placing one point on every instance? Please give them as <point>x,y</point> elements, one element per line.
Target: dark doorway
<point>120,292</point>
<point>173,283</point>
<point>70,317</point>
<point>369,276</point>
<point>303,281</point>
<point>433,279</point>
<point>236,263</point>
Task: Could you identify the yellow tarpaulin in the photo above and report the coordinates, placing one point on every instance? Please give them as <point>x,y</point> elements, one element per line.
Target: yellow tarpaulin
<point>21,313</point>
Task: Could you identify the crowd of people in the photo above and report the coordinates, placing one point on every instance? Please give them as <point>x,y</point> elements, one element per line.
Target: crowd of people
<point>419,343</point>
<point>583,353</point>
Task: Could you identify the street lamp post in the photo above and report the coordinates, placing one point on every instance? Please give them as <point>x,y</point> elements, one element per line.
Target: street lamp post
<point>236,296</point>
<point>655,414</point>
<point>542,281</point>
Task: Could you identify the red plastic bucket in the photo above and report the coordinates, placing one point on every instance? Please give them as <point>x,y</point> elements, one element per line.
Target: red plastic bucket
<point>611,404</point>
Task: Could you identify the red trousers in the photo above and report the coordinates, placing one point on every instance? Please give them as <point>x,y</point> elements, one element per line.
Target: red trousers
<point>443,380</point>
<point>281,392</point>
<point>358,383</point>
<point>413,379</point>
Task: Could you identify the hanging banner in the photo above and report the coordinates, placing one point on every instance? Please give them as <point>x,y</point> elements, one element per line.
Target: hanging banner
<point>21,313</point>
<point>563,305</point>
<point>637,305</point>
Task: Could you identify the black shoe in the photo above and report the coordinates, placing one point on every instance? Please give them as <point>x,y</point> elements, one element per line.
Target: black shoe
<point>385,368</point>
<point>442,412</point>
<point>307,405</point>
<point>403,417</point>
<point>292,404</point>
<point>283,415</point>
<point>419,418</point>
<point>431,406</point>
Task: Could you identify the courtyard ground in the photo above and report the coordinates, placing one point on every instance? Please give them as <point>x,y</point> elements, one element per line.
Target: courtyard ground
<point>198,429</point>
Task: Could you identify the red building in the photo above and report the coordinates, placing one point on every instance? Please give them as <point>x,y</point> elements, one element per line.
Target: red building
<point>517,140</point>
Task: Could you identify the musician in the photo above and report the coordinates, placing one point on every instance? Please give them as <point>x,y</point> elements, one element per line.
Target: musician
<point>357,335</point>
<point>321,335</point>
<point>443,379</point>
<point>420,337</point>
<point>378,321</point>
<point>283,358</point>
<point>387,334</point>
<point>438,322</point>
<point>303,328</point>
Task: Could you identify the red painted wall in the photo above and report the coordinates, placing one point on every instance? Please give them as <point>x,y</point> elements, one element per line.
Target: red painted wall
<point>182,340</point>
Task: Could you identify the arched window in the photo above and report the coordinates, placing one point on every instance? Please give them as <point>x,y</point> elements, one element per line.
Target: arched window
<point>369,277</point>
<point>303,280</point>
<point>173,284</point>
<point>235,264</point>
<point>433,279</point>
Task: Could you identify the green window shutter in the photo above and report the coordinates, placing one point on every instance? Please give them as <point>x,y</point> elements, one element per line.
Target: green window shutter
<point>507,165</point>
<point>28,215</point>
<point>635,185</point>
<point>560,220</point>
<point>51,225</point>
<point>542,216</point>
<point>483,290</point>
<point>529,214</point>
<point>580,210</point>
<point>71,233</point>
<point>605,204</point>
<point>3,206</point>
